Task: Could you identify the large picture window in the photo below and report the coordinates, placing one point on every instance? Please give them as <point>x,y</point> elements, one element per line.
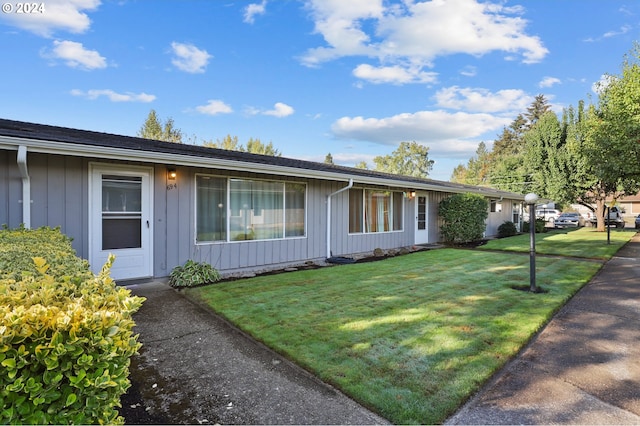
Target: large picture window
<point>375,210</point>
<point>241,209</point>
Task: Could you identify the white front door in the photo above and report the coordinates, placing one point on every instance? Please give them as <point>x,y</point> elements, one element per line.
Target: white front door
<point>120,200</point>
<point>422,225</point>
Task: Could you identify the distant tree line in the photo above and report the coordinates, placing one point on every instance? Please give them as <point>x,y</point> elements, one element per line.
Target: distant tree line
<point>410,159</point>
<point>585,155</point>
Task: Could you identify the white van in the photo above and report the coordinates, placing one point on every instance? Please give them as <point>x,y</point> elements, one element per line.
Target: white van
<point>549,215</point>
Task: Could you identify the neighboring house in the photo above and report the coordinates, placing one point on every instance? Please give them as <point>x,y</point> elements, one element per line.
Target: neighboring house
<point>156,205</point>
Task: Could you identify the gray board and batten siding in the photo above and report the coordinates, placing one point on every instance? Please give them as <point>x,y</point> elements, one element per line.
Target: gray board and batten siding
<point>59,163</point>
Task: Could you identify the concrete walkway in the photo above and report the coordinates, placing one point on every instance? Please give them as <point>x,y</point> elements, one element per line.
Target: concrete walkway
<point>194,368</point>
<point>583,368</point>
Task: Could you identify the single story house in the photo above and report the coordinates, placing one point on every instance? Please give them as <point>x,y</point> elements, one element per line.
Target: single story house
<point>156,204</point>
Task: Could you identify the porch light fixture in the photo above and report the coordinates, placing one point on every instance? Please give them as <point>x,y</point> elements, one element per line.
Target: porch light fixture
<point>411,195</point>
<point>172,173</point>
<point>531,200</point>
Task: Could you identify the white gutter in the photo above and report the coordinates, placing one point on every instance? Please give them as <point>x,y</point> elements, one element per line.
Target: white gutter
<point>329,215</point>
<point>26,186</point>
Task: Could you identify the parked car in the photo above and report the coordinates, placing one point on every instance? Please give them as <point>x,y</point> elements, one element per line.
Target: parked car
<point>549,215</point>
<point>615,218</point>
<point>569,220</point>
<point>638,222</point>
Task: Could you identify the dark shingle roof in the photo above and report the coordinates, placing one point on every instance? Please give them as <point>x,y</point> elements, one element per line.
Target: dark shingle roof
<point>42,132</point>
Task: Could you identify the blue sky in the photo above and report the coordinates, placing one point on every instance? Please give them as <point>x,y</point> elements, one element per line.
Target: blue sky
<point>351,78</point>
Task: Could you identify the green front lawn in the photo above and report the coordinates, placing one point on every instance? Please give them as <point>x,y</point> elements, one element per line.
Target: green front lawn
<point>411,337</point>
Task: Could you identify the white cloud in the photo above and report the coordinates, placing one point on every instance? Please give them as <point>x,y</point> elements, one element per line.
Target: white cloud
<point>394,74</point>
<point>469,71</point>
<point>254,9</point>
<point>549,82</point>
<point>114,96</point>
<point>623,30</point>
<point>58,15</point>
<point>75,55</point>
<point>214,107</point>
<point>445,133</point>
<point>280,110</point>
<point>412,35</point>
<point>189,58</point>
<point>482,100</point>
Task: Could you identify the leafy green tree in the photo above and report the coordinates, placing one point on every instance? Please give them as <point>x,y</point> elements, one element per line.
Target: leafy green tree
<point>410,159</point>
<point>328,159</point>
<point>477,170</point>
<point>362,165</point>
<point>228,142</point>
<point>154,128</point>
<point>459,174</point>
<point>544,156</point>
<point>254,146</point>
<point>612,137</point>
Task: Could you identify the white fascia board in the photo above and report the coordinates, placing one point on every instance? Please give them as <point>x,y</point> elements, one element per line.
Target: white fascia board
<point>80,150</point>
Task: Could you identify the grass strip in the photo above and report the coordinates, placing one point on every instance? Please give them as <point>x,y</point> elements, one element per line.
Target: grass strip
<point>578,242</point>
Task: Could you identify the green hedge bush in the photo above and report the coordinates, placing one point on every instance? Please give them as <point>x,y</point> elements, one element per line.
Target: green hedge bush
<point>507,229</point>
<point>541,226</point>
<point>65,334</point>
<point>464,217</point>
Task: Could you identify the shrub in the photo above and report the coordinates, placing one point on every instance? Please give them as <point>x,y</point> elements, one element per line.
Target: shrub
<point>192,274</point>
<point>464,217</point>
<point>507,229</point>
<point>540,226</point>
<point>66,339</point>
<point>18,246</point>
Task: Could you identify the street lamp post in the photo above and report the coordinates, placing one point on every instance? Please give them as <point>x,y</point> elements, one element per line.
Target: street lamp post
<point>531,200</point>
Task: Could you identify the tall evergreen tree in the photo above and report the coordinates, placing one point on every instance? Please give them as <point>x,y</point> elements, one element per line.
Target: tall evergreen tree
<point>536,110</point>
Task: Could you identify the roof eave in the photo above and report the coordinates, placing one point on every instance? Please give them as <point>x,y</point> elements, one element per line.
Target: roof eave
<point>115,153</point>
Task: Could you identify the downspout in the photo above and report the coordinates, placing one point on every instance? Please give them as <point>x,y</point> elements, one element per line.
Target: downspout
<point>26,186</point>
<point>329,215</point>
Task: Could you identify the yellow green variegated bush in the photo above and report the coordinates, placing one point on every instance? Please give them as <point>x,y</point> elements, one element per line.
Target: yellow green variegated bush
<point>66,340</point>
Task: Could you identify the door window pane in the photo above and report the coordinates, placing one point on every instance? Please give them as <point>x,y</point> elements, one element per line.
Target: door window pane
<point>121,193</point>
<point>121,212</point>
<point>422,213</point>
<point>121,233</point>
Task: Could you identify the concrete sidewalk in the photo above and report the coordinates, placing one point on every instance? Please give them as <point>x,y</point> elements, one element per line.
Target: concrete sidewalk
<point>194,368</point>
<point>584,367</point>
